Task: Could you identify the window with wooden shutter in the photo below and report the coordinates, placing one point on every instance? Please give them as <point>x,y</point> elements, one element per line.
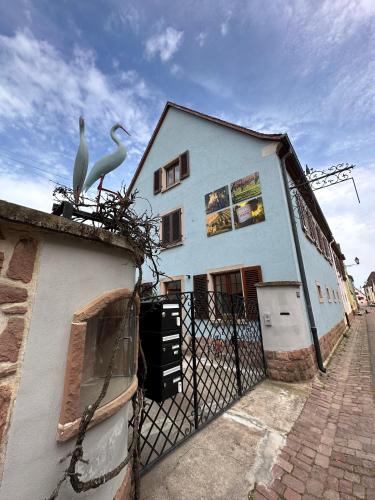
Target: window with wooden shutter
<point>251,276</point>
<point>201,296</point>
<point>184,165</point>
<point>157,181</point>
<point>146,289</point>
<point>171,228</point>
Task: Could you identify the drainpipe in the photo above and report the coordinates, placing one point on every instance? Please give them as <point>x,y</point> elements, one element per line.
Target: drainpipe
<point>310,313</point>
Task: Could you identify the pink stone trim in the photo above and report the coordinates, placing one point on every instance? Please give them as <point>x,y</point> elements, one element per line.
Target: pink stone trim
<point>70,414</point>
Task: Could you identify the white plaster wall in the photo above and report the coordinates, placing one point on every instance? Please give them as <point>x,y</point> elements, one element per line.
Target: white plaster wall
<point>287,333</point>
<point>71,273</point>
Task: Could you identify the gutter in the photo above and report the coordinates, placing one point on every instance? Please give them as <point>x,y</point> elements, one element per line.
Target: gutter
<point>288,151</point>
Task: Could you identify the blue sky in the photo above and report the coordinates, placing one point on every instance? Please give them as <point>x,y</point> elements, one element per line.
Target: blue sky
<point>302,67</point>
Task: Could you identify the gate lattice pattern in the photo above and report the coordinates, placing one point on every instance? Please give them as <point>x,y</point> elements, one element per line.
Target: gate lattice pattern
<point>222,358</point>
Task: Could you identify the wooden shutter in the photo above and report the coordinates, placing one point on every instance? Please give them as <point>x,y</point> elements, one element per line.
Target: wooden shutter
<point>166,229</point>
<point>201,296</point>
<point>176,226</point>
<point>251,276</point>
<point>184,165</point>
<point>157,181</point>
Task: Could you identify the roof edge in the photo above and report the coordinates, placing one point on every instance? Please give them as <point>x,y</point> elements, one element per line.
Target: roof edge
<point>213,119</point>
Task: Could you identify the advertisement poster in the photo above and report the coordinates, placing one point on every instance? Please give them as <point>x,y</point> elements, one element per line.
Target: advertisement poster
<point>245,188</point>
<point>219,222</point>
<point>217,200</point>
<point>248,212</point>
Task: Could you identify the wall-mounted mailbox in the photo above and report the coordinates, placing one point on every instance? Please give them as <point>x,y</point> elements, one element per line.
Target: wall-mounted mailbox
<point>160,334</point>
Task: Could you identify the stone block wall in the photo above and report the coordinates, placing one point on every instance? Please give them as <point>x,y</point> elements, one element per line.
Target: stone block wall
<point>18,272</point>
<point>300,364</point>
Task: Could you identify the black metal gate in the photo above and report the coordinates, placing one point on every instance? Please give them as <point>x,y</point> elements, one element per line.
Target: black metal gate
<point>222,359</point>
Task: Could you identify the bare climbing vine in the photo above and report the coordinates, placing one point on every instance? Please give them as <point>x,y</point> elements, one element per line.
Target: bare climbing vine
<point>115,213</point>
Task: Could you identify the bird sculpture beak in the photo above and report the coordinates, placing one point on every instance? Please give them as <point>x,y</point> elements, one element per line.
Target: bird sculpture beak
<point>124,129</point>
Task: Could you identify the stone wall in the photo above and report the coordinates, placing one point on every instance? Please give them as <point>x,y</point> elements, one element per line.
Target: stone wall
<point>18,271</point>
<point>51,268</point>
<point>300,364</point>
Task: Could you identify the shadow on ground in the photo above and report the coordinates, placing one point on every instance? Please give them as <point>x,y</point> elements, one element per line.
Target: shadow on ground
<point>226,458</point>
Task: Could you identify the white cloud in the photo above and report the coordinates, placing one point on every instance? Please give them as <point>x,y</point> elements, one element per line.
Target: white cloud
<point>201,38</point>
<point>353,224</point>
<point>43,92</point>
<point>165,44</point>
<point>224,26</point>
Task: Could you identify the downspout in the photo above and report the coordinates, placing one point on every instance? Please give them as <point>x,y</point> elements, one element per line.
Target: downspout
<point>310,313</point>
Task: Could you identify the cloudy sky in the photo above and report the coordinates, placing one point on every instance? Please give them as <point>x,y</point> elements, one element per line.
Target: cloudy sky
<point>302,67</point>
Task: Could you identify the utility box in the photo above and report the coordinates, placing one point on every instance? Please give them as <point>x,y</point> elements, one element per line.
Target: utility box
<point>160,334</point>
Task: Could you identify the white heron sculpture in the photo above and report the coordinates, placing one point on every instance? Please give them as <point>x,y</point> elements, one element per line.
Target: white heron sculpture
<point>101,167</point>
<point>109,162</point>
<point>81,162</point>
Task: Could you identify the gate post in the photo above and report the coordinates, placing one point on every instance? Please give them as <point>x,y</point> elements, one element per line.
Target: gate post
<point>194,353</point>
<point>236,353</point>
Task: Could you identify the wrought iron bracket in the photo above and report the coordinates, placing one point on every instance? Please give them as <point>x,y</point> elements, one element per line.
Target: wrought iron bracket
<point>319,179</point>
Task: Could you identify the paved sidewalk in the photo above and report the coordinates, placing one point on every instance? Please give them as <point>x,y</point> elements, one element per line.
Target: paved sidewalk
<point>330,451</point>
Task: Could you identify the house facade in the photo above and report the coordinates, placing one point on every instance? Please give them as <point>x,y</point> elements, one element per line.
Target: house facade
<point>228,223</point>
<point>369,288</point>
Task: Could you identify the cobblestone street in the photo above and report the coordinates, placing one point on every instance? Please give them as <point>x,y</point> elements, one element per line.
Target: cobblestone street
<point>330,451</point>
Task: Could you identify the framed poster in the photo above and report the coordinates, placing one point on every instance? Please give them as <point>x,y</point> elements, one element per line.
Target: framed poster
<point>248,212</point>
<point>245,188</point>
<point>219,222</point>
<point>217,200</point>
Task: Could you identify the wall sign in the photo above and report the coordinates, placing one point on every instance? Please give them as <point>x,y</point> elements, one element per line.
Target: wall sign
<point>217,200</point>
<point>245,188</point>
<point>219,222</point>
<point>247,205</point>
<point>248,212</point>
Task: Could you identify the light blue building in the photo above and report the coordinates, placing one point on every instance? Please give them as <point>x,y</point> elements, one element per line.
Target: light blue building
<point>222,193</point>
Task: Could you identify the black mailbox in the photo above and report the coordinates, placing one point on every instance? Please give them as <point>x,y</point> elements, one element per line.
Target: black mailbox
<point>160,333</point>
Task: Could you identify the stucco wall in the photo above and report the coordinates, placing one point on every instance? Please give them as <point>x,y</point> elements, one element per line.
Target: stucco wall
<point>218,156</point>
<point>318,269</point>
<point>284,306</point>
<point>71,272</point>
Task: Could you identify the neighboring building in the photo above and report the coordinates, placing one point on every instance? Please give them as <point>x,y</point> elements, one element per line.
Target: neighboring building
<point>361,298</point>
<point>220,192</point>
<point>370,288</point>
<point>350,290</point>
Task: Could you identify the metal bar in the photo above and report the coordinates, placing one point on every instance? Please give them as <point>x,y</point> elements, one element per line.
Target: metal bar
<point>194,355</point>
<point>333,184</point>
<point>236,353</point>
<point>149,466</point>
<point>310,181</point>
<point>356,192</point>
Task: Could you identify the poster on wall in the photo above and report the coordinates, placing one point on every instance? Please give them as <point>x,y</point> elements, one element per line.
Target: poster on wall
<point>248,212</point>
<point>219,222</point>
<point>217,200</point>
<point>245,188</point>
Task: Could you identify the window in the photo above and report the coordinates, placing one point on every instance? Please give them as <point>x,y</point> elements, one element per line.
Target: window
<point>171,233</point>
<point>171,174</point>
<point>94,330</point>
<point>320,293</point>
<point>172,287</point>
<point>101,333</point>
<point>229,284</point>
<point>329,294</point>
<point>146,289</point>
